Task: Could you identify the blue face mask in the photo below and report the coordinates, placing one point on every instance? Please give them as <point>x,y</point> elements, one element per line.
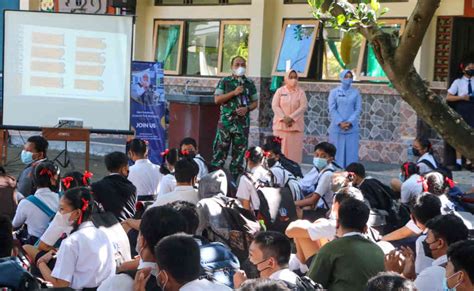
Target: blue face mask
<point>26,157</point>
<point>320,163</point>
<point>401,177</point>
<point>346,83</point>
<point>445,283</point>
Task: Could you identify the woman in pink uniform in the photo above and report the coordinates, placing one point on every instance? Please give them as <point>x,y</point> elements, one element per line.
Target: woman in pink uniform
<point>289,105</point>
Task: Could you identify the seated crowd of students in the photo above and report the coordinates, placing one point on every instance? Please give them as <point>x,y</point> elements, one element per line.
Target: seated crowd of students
<point>185,225</point>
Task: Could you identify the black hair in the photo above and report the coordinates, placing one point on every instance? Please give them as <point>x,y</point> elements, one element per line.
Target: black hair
<point>273,144</point>
<point>390,281</point>
<point>44,172</point>
<point>262,284</point>
<point>237,57</point>
<point>326,147</point>
<point>171,156</point>
<point>189,212</point>
<point>188,140</point>
<point>185,170</point>
<point>409,169</point>
<point>274,244</point>
<point>255,155</point>
<point>115,160</point>
<point>436,183</point>
<point>425,144</point>
<point>461,255</point>
<point>426,207</point>
<point>41,144</point>
<point>159,222</point>
<point>356,168</point>
<point>79,198</point>
<point>6,236</point>
<point>353,214</point>
<point>138,147</point>
<point>346,193</point>
<point>449,227</point>
<point>74,179</point>
<point>179,255</point>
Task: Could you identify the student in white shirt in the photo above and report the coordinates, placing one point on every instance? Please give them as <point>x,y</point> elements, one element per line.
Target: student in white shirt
<point>46,177</point>
<point>323,195</point>
<point>412,185</point>
<point>246,191</point>
<point>461,94</point>
<point>185,173</point>
<point>145,175</point>
<point>460,267</point>
<point>423,149</point>
<point>189,145</point>
<point>168,182</point>
<point>158,223</point>
<point>270,253</point>
<point>86,257</point>
<point>179,263</point>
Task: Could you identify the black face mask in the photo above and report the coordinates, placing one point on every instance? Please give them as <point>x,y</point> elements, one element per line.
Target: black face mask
<point>416,152</point>
<point>470,73</point>
<point>271,162</point>
<point>427,250</point>
<point>54,188</point>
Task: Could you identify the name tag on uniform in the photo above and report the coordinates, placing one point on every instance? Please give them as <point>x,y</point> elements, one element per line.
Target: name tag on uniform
<point>284,95</point>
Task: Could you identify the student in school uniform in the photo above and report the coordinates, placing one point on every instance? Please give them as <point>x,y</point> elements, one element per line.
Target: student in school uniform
<point>37,211</point>
<point>189,146</point>
<point>33,153</point>
<point>86,257</point>
<point>168,182</point>
<point>144,175</point>
<point>461,93</point>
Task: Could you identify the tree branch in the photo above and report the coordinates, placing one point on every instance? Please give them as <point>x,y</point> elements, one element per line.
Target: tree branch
<point>412,37</point>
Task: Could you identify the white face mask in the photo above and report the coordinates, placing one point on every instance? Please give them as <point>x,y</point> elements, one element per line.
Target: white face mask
<point>62,220</point>
<point>240,71</point>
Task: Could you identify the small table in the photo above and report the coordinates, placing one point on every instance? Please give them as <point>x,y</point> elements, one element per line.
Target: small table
<point>70,134</point>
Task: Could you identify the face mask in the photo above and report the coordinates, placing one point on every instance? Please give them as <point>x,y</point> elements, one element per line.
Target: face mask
<point>54,188</point>
<point>26,157</point>
<point>445,283</point>
<point>346,83</point>
<point>332,216</point>
<point>470,73</point>
<point>271,162</point>
<point>266,268</point>
<point>427,249</point>
<point>162,286</point>
<point>401,177</point>
<point>320,163</point>
<point>292,82</point>
<point>240,71</point>
<point>62,220</point>
<point>416,152</point>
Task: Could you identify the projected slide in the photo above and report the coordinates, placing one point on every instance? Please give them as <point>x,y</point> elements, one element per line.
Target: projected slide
<point>71,63</point>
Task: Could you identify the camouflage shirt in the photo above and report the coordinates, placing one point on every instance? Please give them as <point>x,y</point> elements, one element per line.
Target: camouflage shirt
<point>228,115</point>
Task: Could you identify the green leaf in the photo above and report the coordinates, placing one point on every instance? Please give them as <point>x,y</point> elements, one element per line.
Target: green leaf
<point>340,19</point>
<point>375,5</point>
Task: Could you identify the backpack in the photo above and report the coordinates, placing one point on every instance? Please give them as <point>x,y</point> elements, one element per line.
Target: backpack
<point>14,277</point>
<point>291,166</point>
<point>218,262</point>
<point>22,234</point>
<point>243,225</point>
<point>291,182</point>
<point>303,283</point>
<point>277,207</point>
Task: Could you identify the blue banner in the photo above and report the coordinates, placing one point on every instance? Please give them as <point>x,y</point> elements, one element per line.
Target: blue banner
<point>148,107</point>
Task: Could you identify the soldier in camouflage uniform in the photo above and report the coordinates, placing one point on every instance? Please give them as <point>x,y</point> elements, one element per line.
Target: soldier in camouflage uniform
<point>237,96</point>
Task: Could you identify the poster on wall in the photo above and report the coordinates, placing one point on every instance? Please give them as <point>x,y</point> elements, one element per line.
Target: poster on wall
<point>148,107</point>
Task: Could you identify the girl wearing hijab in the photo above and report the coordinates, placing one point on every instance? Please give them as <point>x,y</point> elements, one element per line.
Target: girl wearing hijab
<point>345,105</point>
<point>289,105</point>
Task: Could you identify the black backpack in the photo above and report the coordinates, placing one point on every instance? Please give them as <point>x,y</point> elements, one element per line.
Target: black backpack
<point>291,166</point>
<point>14,277</point>
<point>304,284</point>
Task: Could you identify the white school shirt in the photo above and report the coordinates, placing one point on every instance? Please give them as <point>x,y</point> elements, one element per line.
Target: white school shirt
<point>411,188</point>
<point>29,214</point>
<point>424,168</point>
<point>460,86</point>
<point>55,230</point>
<point>324,187</point>
<point>203,285</point>
<point>322,228</point>
<point>145,176</point>
<point>181,193</point>
<point>124,282</point>
<point>247,190</point>
<point>167,184</point>
<point>202,166</point>
<point>285,275</point>
<point>309,180</point>
<point>431,278</point>
<point>85,258</point>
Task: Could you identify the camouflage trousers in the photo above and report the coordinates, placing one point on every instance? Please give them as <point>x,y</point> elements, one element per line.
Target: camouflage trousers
<point>237,136</point>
